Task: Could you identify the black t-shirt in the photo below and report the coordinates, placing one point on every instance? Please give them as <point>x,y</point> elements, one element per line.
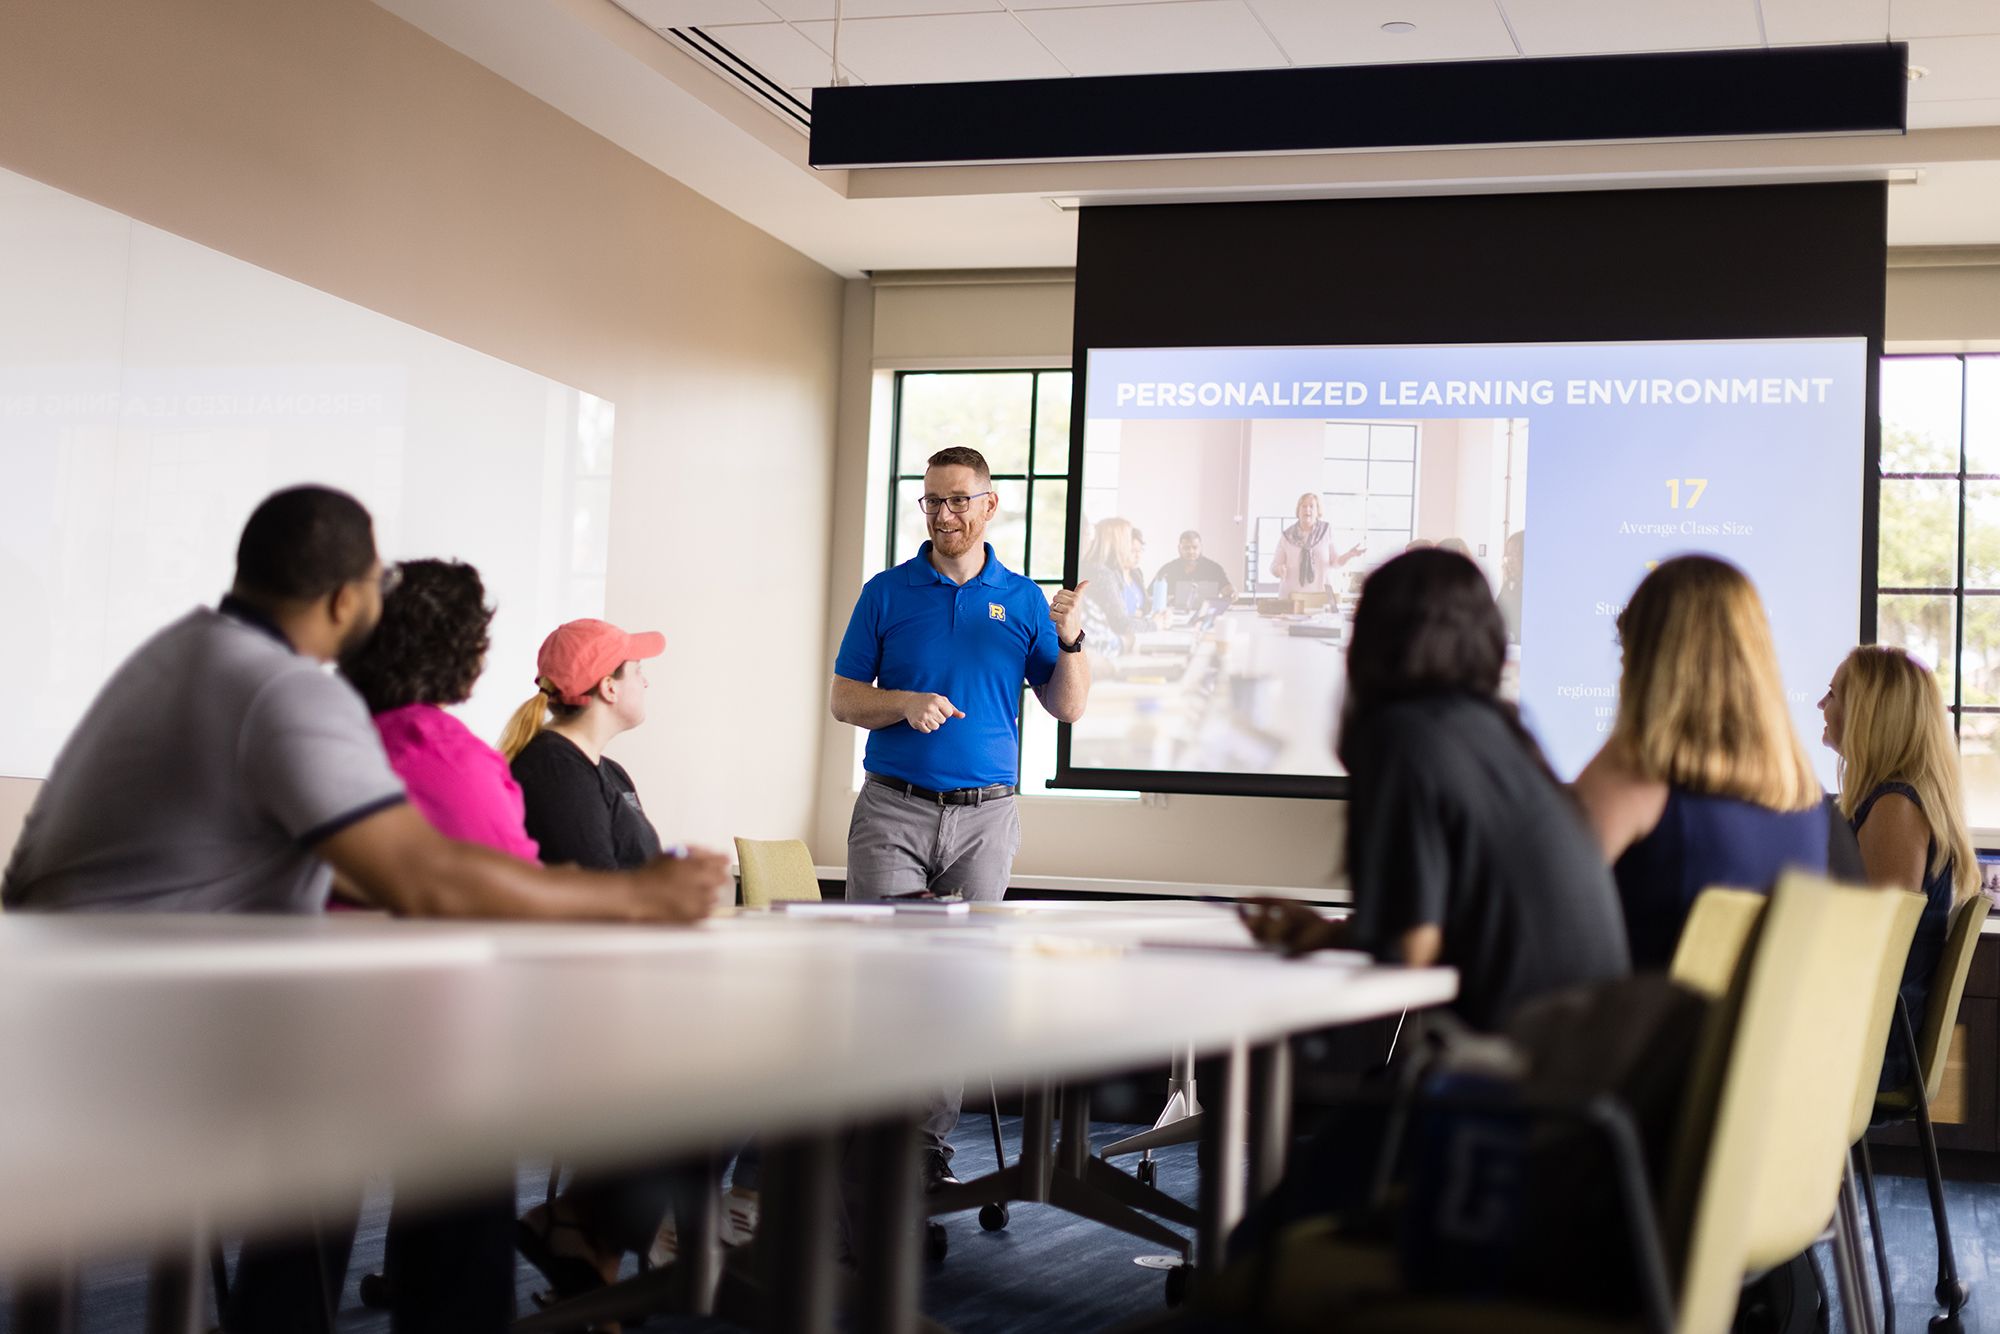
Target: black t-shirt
<point>582,814</point>
<point>1206,571</point>
<point>1453,824</point>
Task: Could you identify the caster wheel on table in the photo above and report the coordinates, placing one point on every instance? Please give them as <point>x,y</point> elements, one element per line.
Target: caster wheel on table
<point>1177,1285</point>
<point>1148,1172</point>
<point>1952,1295</point>
<point>993,1217</point>
<point>1947,1324</point>
<point>937,1242</point>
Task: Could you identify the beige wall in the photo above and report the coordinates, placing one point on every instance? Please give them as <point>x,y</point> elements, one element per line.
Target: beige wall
<point>334,144</point>
<point>1015,317</point>
<point>1943,307</point>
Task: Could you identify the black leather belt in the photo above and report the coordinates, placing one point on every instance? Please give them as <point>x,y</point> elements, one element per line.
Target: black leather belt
<point>963,796</point>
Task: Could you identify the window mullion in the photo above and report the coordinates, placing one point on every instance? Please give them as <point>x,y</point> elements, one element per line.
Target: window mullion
<point>1958,622</point>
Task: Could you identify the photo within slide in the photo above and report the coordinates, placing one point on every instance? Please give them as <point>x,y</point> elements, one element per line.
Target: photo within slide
<point>1274,479</point>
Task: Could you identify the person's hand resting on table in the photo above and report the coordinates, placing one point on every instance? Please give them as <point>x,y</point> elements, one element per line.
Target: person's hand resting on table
<point>1290,927</point>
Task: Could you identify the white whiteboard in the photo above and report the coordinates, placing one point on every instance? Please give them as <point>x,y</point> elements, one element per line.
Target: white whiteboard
<point>152,391</point>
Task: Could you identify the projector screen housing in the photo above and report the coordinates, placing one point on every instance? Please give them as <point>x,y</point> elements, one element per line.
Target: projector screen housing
<point>1773,265</point>
<point>1622,98</point>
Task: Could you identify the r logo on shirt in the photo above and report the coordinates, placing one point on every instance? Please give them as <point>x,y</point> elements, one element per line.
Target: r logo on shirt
<point>995,612</point>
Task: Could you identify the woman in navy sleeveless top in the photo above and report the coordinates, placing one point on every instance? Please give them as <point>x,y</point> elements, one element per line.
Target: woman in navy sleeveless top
<point>1900,789</point>
<point>1703,781</point>
<point>1702,841</point>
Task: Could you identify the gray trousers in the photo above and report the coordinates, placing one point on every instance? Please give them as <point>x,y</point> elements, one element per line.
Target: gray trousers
<point>897,844</point>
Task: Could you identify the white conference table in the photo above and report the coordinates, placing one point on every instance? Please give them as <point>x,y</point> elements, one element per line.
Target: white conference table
<point>169,1075</point>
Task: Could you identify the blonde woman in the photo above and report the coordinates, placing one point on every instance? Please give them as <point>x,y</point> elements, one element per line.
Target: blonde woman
<point>1108,622</point>
<point>1306,559</point>
<point>1900,790</point>
<point>1703,781</point>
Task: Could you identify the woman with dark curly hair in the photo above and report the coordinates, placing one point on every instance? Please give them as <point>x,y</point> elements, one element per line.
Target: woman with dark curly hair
<point>427,652</point>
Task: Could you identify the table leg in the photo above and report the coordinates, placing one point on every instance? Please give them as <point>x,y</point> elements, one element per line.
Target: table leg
<point>1074,1147</point>
<point>892,1217</point>
<point>47,1302</point>
<point>1270,1115</point>
<point>800,1179</point>
<point>698,1228</point>
<point>1224,1128</point>
<point>177,1288</point>
<point>1037,1118</point>
<point>1177,1123</point>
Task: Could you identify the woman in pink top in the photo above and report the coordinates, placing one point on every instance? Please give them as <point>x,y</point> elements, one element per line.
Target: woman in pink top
<point>427,652</point>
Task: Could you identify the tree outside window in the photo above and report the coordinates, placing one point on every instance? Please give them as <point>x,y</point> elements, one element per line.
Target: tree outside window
<point>1938,553</point>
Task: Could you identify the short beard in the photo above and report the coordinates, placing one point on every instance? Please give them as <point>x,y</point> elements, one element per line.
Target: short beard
<point>354,644</point>
<point>962,540</point>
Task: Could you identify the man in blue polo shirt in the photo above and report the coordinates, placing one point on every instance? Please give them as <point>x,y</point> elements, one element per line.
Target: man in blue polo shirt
<point>932,665</point>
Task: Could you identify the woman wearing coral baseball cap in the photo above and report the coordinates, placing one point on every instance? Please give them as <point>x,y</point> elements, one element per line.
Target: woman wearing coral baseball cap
<point>581,805</point>
<point>583,809</point>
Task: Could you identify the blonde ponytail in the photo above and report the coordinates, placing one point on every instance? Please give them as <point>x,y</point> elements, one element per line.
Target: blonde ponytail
<point>525,725</point>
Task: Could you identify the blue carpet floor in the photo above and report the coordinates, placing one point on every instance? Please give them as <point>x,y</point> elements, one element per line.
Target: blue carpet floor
<point>1052,1273</point>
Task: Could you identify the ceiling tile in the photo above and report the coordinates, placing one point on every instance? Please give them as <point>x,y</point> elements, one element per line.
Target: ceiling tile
<point>778,51</point>
<point>696,13</point>
<point>1945,18</point>
<point>1313,32</point>
<point>1803,22</point>
<point>1019,5</point>
<point>798,10</point>
<point>944,48</point>
<point>1581,27</point>
<point>1155,39</point>
<point>1961,68</point>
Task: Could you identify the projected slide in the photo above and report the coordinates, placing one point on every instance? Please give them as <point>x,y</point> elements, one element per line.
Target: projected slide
<point>1268,481</point>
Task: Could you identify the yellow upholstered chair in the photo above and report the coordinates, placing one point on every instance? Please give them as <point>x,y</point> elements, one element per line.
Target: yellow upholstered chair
<point>1760,1150</point>
<point>775,870</point>
<point>1715,938</point>
<point>1779,1133</point>
<point>1712,943</point>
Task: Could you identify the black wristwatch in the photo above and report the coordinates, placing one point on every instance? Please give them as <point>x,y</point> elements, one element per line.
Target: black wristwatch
<point>1077,647</point>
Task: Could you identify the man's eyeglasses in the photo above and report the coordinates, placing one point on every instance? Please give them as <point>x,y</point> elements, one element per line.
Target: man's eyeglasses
<point>958,504</point>
<point>392,575</point>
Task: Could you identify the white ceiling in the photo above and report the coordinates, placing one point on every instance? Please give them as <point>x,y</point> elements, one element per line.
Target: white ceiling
<point>946,41</point>
<point>635,86</point>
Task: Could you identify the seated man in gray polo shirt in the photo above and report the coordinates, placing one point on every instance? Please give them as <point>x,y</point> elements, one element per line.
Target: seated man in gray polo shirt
<point>223,768</point>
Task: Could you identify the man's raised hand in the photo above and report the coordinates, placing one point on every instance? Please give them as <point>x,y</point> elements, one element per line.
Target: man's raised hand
<point>1066,610</point>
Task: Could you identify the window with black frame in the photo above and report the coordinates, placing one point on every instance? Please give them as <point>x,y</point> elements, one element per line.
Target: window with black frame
<point>1938,579</point>
<point>1018,419</point>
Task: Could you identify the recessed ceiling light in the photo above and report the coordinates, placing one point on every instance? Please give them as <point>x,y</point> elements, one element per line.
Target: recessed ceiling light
<point>1916,72</point>
<point>1399,26</point>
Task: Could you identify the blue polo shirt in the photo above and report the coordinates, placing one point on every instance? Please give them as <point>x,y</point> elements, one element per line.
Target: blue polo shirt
<point>914,629</point>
